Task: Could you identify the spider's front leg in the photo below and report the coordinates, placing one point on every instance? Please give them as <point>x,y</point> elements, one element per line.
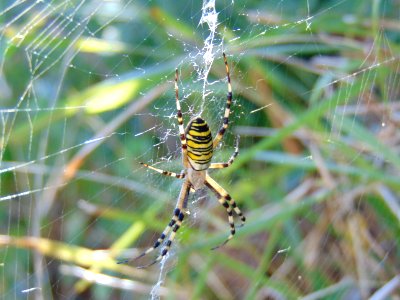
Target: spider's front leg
<point>225,199</point>
<point>173,225</point>
<point>178,215</point>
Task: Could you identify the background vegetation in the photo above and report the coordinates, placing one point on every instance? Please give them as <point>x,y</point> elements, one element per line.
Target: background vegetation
<point>316,107</point>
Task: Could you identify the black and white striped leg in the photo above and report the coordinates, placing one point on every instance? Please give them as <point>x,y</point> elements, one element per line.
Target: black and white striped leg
<point>238,212</point>
<point>160,240</point>
<point>231,159</point>
<point>230,220</point>
<point>179,116</point>
<point>220,192</point>
<point>225,123</point>
<point>168,243</point>
<point>172,227</point>
<point>163,172</point>
<point>228,203</point>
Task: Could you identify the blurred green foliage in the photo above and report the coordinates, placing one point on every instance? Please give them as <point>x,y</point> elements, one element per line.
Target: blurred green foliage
<point>87,93</point>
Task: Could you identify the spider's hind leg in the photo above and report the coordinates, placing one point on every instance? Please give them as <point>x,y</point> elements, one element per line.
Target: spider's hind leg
<point>180,120</point>
<point>225,120</point>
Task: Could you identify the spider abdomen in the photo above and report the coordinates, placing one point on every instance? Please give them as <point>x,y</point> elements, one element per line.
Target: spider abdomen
<point>199,144</point>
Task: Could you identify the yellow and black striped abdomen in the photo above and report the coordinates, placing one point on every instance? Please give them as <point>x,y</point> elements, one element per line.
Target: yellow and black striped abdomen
<point>199,144</point>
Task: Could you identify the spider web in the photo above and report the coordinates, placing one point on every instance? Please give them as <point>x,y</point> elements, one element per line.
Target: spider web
<point>87,94</point>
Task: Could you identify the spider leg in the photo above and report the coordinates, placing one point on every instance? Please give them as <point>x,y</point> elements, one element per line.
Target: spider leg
<point>163,172</point>
<point>222,200</point>
<point>220,192</point>
<point>231,159</point>
<point>180,121</point>
<point>222,130</point>
<point>174,224</point>
<point>161,239</point>
<point>225,199</point>
<point>169,242</point>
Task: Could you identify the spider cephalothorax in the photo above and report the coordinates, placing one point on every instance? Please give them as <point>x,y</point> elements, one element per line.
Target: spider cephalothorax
<point>197,151</point>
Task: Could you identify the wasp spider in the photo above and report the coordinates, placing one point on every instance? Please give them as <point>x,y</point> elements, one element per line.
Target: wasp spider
<point>197,151</point>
